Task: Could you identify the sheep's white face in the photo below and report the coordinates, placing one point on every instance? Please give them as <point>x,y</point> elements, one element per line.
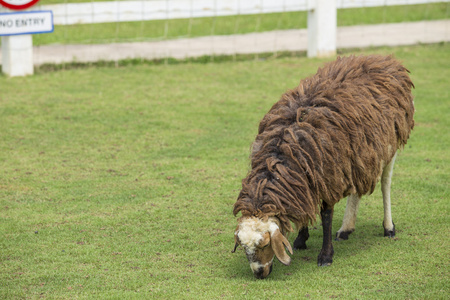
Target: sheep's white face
<point>262,240</point>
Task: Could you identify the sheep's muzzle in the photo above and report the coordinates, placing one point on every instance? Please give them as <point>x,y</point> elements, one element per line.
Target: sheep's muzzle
<point>261,262</point>
<point>262,273</point>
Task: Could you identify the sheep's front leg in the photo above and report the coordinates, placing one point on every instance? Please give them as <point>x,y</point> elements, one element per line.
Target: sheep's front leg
<point>389,227</point>
<point>326,254</point>
<point>300,241</point>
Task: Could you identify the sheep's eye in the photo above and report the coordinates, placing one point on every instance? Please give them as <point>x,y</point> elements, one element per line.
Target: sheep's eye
<point>265,241</point>
<point>264,244</point>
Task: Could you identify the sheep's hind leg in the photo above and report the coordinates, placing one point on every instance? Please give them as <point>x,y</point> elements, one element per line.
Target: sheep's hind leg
<point>348,223</point>
<point>389,227</point>
<point>326,254</point>
<point>300,241</point>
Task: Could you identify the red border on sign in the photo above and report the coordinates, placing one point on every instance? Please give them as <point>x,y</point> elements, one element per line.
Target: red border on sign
<point>18,7</point>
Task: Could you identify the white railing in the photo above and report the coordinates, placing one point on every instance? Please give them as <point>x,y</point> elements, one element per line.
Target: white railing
<point>146,10</point>
<point>321,33</point>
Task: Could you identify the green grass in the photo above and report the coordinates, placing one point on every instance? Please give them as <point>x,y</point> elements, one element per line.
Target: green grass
<point>170,29</point>
<point>118,183</point>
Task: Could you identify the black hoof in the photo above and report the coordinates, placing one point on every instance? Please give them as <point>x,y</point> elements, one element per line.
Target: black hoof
<point>299,245</point>
<point>325,260</point>
<point>343,235</point>
<point>389,233</point>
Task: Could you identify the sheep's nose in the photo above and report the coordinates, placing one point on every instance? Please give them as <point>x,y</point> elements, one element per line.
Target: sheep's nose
<point>259,273</point>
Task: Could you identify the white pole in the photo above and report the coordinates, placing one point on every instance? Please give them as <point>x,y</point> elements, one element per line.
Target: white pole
<point>17,55</point>
<point>322,23</point>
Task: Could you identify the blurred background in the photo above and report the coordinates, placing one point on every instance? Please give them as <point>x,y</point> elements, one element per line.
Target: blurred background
<point>89,31</point>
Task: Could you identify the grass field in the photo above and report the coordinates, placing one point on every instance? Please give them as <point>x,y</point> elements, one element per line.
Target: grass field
<point>170,29</point>
<point>118,183</point>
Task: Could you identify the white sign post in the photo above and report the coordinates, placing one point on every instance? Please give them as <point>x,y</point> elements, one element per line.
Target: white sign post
<point>17,55</point>
<point>16,29</point>
<point>17,41</point>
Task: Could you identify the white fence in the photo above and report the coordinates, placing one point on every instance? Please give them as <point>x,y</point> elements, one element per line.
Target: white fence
<point>321,38</point>
<point>145,10</point>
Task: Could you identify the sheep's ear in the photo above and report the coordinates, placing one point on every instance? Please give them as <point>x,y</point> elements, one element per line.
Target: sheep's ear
<point>235,247</point>
<point>236,240</point>
<point>279,242</point>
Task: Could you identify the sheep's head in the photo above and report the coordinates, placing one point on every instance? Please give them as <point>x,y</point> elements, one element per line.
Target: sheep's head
<point>262,240</point>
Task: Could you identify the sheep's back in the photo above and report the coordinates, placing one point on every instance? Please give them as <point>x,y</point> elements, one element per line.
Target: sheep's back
<point>346,122</point>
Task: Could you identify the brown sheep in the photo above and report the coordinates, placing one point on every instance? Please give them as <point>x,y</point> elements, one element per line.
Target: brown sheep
<point>333,136</point>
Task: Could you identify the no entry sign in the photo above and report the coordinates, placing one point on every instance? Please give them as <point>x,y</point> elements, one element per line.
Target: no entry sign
<point>26,22</point>
<point>18,4</point>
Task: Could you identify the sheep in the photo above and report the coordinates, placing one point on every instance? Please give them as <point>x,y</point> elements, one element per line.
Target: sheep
<point>335,135</point>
